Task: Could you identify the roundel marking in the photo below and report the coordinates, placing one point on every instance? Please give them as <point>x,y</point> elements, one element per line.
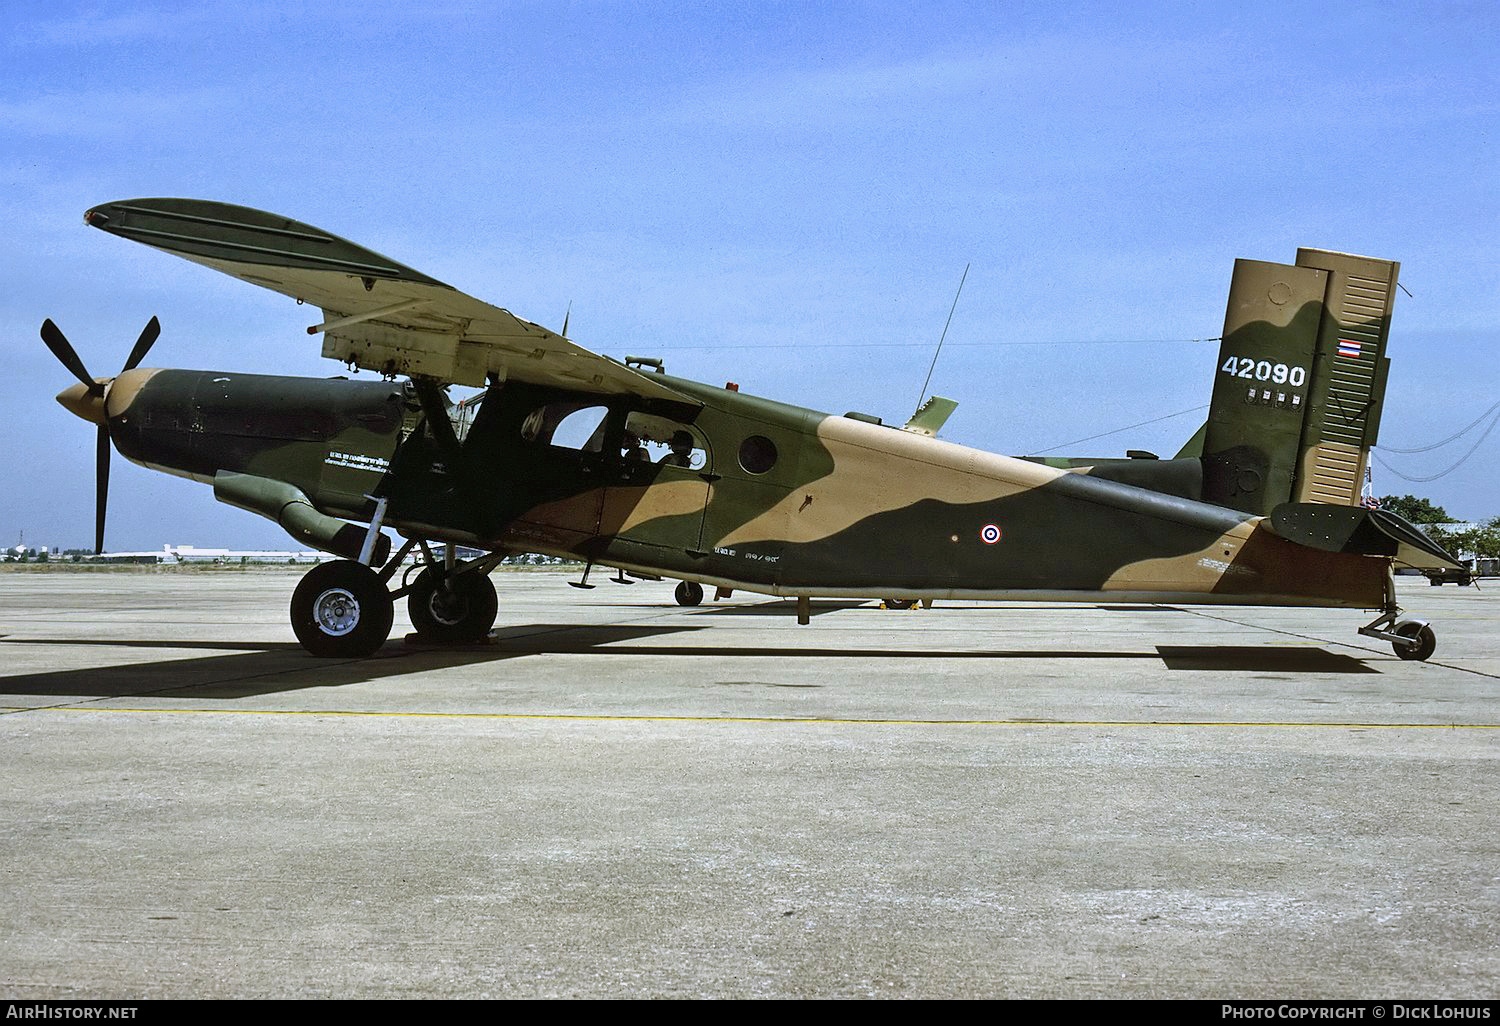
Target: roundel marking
<point>989,533</point>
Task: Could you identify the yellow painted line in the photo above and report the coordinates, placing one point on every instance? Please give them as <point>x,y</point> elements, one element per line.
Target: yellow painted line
<point>774,720</point>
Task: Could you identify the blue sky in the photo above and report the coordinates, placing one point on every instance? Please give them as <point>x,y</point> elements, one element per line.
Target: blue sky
<point>784,195</point>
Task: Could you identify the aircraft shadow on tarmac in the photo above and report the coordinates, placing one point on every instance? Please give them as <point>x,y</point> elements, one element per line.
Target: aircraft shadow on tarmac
<point>785,608</point>
<point>1287,659</point>
<point>249,668</point>
<point>246,669</point>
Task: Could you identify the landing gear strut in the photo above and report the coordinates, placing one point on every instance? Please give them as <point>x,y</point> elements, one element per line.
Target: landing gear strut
<point>344,610</point>
<point>1410,639</point>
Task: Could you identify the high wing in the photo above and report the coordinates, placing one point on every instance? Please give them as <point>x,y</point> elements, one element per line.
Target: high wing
<point>378,314</point>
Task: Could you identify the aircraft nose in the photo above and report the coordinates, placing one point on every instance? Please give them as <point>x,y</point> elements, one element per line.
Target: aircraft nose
<point>123,389</point>
<point>81,402</point>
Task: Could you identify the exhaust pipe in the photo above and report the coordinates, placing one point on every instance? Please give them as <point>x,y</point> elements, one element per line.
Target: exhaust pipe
<point>290,507</point>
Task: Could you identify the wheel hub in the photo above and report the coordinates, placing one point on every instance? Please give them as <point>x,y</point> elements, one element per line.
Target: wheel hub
<point>336,612</point>
<point>447,606</point>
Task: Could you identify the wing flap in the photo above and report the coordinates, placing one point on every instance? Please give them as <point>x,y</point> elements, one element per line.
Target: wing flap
<point>378,314</point>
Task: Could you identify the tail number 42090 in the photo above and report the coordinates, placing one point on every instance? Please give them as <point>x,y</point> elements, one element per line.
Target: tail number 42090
<point>1264,370</point>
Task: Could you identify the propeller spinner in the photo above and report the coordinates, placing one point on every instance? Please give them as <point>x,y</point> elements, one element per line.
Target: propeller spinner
<point>89,399</point>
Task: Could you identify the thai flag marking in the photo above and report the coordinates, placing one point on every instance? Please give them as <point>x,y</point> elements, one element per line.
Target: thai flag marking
<point>1349,347</point>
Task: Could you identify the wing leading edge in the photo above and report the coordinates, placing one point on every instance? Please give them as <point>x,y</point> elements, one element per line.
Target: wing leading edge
<point>378,314</point>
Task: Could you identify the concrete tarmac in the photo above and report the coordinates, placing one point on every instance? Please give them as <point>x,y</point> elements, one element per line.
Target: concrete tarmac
<point>622,798</point>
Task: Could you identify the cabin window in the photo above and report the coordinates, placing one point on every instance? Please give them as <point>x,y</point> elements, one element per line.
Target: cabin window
<point>567,426</point>
<point>757,454</point>
<point>663,441</point>
<point>462,413</point>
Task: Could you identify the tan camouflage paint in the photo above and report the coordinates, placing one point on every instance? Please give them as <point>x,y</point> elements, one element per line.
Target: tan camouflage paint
<point>1252,561</point>
<point>628,508</point>
<point>879,470</point>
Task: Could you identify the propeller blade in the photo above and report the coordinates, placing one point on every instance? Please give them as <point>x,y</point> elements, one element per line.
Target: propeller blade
<point>143,344</point>
<point>101,477</point>
<point>62,349</point>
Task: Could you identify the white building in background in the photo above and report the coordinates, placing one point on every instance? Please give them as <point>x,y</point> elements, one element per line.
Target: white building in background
<point>183,554</point>
<point>193,554</point>
<point>178,554</point>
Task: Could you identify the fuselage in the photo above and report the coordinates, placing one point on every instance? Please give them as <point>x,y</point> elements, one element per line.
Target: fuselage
<point>723,488</point>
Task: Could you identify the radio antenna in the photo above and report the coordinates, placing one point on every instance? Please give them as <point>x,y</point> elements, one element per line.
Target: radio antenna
<point>933,365</point>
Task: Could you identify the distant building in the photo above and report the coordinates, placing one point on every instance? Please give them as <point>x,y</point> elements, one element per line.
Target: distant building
<point>180,554</point>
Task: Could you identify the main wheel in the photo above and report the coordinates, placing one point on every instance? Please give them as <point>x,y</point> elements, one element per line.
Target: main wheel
<point>464,611</point>
<point>1426,641</point>
<point>895,603</point>
<point>688,593</point>
<point>341,610</point>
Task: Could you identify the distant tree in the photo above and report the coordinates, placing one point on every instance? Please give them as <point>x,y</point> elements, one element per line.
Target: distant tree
<point>1482,541</point>
<point>1431,517</point>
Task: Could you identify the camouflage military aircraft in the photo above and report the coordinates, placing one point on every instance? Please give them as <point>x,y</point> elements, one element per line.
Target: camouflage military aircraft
<point>569,453</point>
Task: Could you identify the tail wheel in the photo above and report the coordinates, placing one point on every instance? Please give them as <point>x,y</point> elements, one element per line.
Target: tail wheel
<point>463,611</point>
<point>342,610</point>
<point>688,593</point>
<point>1421,633</point>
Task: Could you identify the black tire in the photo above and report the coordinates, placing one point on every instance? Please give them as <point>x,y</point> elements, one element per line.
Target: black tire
<point>688,593</point>
<point>900,603</point>
<point>341,610</point>
<point>1426,641</point>
<point>460,614</point>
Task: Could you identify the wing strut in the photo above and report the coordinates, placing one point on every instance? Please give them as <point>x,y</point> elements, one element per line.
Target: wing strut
<point>435,406</point>
<point>368,315</point>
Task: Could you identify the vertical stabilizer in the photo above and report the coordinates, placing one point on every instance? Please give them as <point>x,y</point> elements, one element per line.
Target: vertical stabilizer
<point>1300,379</point>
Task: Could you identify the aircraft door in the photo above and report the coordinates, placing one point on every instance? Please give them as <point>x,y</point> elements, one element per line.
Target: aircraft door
<point>745,527</point>
<point>660,485</point>
<point>571,470</point>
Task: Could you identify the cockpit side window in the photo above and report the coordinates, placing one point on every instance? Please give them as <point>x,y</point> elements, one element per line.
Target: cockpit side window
<point>661,440</point>
<point>462,414</point>
<point>576,426</point>
<point>644,437</point>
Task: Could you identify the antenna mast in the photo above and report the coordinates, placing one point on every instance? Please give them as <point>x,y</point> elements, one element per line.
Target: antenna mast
<point>933,365</point>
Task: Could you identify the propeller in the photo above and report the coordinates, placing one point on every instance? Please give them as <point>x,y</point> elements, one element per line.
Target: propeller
<point>61,348</point>
<point>142,345</point>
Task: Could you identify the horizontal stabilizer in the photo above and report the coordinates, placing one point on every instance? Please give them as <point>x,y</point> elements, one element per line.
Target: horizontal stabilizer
<point>1354,529</point>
